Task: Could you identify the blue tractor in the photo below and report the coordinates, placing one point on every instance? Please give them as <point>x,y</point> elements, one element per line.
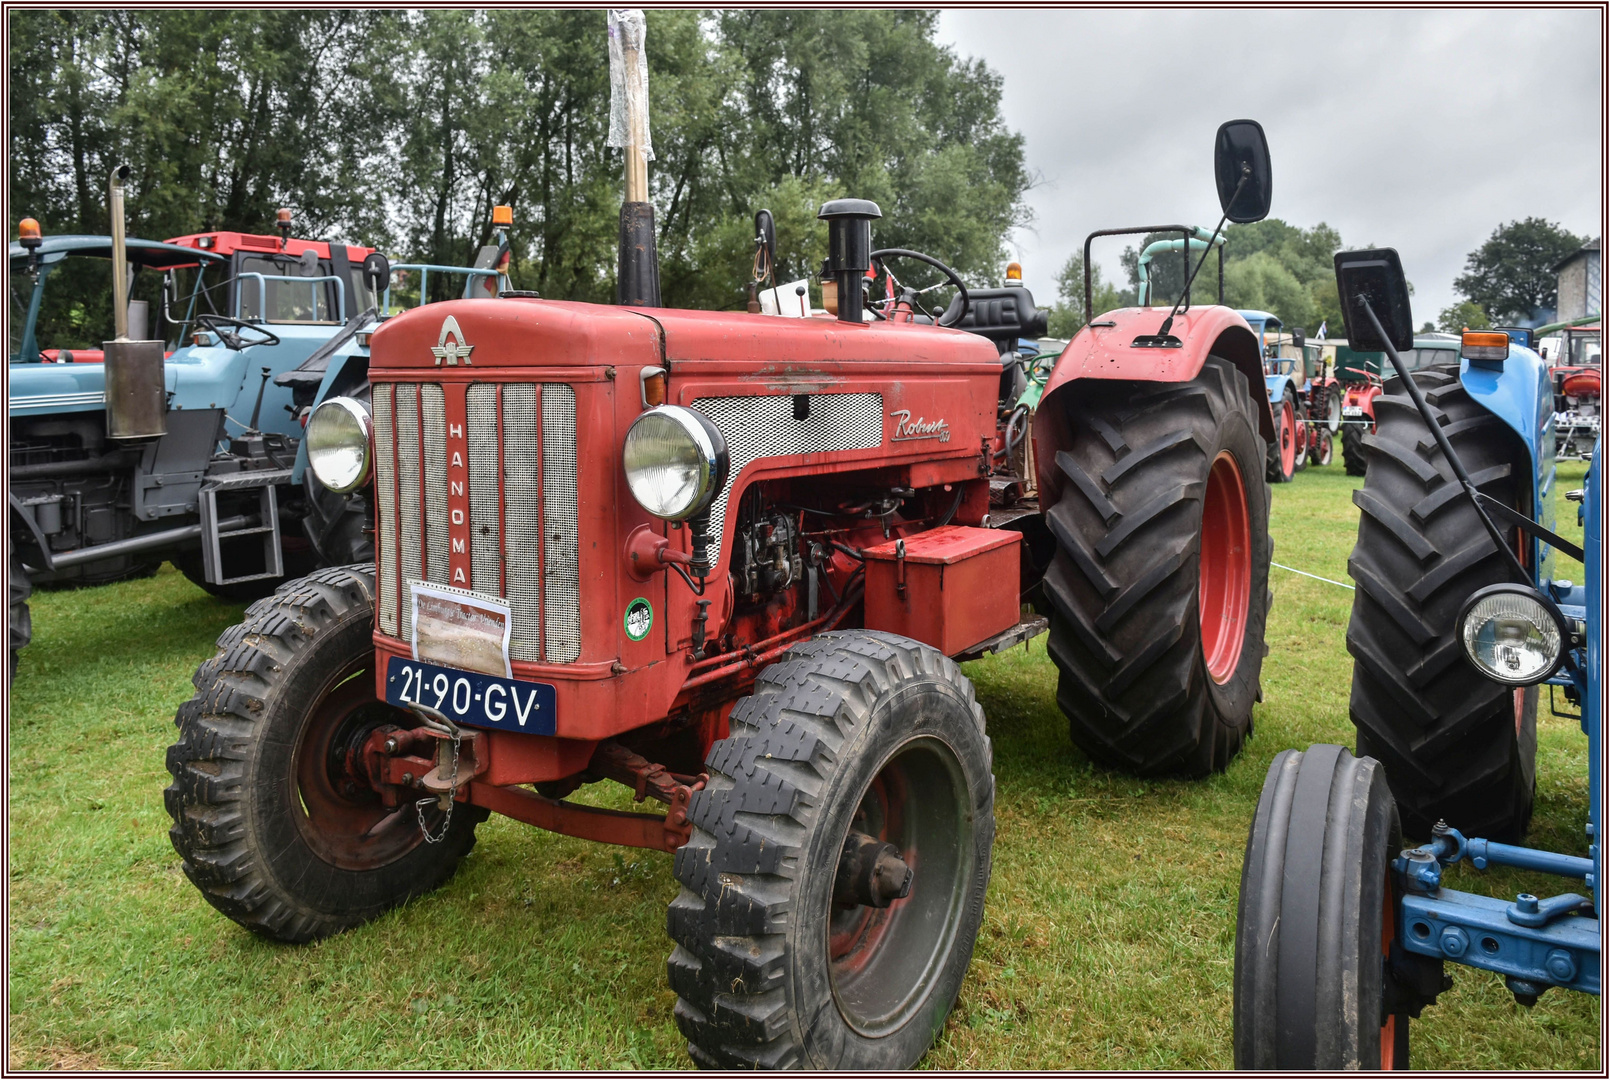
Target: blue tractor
<point>1343,930</point>
<point>127,452</point>
<point>1304,395</point>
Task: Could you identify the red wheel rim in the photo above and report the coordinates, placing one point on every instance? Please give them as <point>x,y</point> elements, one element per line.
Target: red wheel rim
<point>882,961</point>
<point>1225,589</point>
<point>340,816</point>
<point>1288,438</point>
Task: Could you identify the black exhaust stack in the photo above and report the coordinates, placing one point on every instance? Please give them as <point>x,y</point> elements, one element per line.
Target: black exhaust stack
<point>849,249</point>
<point>638,280</point>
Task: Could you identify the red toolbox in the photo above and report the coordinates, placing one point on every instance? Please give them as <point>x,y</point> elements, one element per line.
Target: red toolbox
<point>951,587</point>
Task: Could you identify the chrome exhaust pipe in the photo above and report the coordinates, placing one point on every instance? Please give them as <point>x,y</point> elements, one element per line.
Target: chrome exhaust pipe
<point>136,394</point>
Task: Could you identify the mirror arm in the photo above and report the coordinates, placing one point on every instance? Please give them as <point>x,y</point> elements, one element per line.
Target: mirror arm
<point>1447,448</point>
<point>1168,323</point>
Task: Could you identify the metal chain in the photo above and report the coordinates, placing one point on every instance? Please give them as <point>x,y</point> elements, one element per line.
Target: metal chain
<point>440,722</point>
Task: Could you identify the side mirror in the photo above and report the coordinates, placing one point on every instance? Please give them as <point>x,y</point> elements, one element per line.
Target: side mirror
<point>307,263</point>
<point>376,273</point>
<point>1375,276</point>
<point>1241,168</point>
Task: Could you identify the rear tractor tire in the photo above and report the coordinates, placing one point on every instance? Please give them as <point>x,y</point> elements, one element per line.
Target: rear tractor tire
<point>1455,745</point>
<point>1280,461</point>
<point>1159,587</point>
<point>1321,980</point>
<point>1353,460</point>
<point>834,882</point>
<point>276,833</point>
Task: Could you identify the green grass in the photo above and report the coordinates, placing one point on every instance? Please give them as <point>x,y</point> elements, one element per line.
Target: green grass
<point>1108,935</point>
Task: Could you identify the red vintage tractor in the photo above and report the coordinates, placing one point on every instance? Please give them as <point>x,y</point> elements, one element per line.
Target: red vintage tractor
<point>730,561</point>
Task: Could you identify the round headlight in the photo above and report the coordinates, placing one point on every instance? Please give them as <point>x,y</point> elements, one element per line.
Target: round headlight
<point>676,462</point>
<point>339,435</point>
<point>1512,634</point>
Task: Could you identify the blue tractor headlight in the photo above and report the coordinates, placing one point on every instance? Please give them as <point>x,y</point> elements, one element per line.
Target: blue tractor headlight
<point>1512,634</point>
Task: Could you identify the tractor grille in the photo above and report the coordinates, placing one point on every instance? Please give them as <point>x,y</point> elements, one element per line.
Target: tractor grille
<point>522,529</point>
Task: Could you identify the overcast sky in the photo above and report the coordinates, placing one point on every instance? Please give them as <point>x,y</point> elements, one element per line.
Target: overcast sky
<point>1419,130</point>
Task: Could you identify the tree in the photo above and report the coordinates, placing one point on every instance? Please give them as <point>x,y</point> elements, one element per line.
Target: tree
<point>403,128</point>
<point>1462,316</point>
<point>1263,283</point>
<point>1068,316</point>
<point>1511,276</point>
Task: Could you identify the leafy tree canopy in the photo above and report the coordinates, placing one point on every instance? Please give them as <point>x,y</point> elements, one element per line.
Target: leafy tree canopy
<point>403,128</point>
<point>1511,276</point>
<point>1465,315</point>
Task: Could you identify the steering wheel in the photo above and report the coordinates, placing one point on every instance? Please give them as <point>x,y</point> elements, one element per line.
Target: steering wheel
<point>909,295</point>
<point>216,324</point>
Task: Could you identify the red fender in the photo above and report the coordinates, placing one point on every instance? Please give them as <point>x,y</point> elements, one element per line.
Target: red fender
<point>1104,351</point>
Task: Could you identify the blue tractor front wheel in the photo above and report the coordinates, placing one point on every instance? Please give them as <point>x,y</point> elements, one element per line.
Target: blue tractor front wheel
<point>1320,979</point>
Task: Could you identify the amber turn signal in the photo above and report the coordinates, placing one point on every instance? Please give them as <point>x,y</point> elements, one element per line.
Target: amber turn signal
<point>1484,345</point>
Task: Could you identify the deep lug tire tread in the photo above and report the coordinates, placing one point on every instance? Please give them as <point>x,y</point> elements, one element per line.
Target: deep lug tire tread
<point>741,872</point>
<point>1353,460</point>
<point>1125,634</point>
<point>217,802</point>
<point>1445,735</point>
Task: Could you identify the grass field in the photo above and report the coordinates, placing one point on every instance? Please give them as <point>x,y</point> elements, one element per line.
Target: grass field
<point>1108,935</point>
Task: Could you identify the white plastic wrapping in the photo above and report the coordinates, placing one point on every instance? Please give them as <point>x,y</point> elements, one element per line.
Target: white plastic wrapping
<point>628,90</point>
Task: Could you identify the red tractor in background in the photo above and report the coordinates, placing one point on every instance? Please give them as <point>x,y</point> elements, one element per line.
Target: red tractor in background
<point>730,561</point>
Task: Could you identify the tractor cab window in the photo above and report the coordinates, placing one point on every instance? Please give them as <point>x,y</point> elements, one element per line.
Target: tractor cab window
<point>275,300</point>
<point>1584,350</point>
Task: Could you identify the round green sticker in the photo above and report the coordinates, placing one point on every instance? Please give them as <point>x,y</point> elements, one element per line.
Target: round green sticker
<point>639,618</point>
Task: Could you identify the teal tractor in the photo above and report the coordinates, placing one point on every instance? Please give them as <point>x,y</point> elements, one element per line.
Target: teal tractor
<point>160,432</point>
<point>1345,928</point>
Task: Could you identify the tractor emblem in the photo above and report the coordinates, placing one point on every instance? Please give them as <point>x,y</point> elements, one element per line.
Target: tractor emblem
<point>458,350</point>
<point>906,429</point>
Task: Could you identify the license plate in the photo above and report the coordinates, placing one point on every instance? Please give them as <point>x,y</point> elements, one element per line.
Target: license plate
<point>469,697</point>
<point>1352,410</point>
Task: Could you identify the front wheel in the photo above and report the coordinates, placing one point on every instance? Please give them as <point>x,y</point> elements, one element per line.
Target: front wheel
<point>834,882</point>
<point>1305,439</point>
<point>1317,978</point>
<point>1159,587</point>
<point>275,828</point>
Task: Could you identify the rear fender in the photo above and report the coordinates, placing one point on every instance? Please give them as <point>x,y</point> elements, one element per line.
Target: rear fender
<point>1277,385</point>
<point>347,375</point>
<point>1521,395</point>
<point>1105,351</point>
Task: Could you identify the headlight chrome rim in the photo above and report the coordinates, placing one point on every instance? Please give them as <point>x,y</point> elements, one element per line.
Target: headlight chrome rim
<point>1551,619</point>
<point>332,465</point>
<point>703,462</point>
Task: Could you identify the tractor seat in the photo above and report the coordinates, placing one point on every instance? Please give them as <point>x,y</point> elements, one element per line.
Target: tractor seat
<point>1001,315</point>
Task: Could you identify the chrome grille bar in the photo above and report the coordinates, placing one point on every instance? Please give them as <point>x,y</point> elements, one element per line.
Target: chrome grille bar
<point>522,519</point>
<point>386,509</point>
<point>561,610</point>
<point>486,524</point>
<point>435,437</point>
<point>409,497</point>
